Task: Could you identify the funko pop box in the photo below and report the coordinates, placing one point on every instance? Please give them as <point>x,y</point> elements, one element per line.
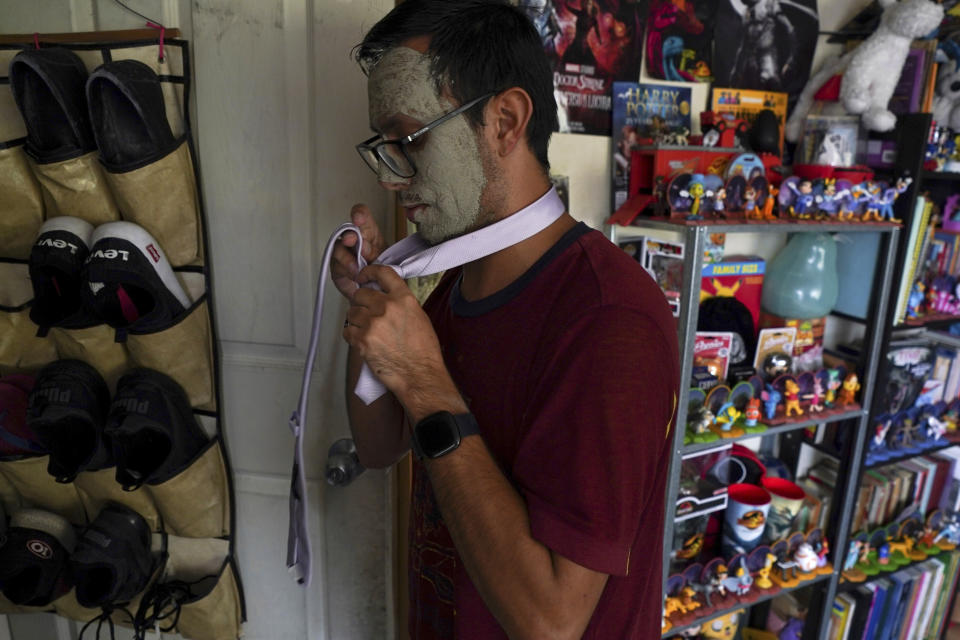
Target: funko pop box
<point>740,277</point>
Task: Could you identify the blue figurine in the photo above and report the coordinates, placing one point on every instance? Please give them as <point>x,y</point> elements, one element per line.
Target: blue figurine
<point>771,398</point>
<point>884,210</point>
<point>803,207</point>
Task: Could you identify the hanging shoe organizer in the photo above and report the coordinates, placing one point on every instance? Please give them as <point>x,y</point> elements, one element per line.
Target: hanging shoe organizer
<point>96,127</point>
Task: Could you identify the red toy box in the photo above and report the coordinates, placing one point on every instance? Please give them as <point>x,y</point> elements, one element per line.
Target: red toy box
<point>740,277</point>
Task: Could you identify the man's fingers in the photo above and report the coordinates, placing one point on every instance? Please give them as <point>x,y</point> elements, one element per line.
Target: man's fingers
<point>361,216</point>
<point>384,276</point>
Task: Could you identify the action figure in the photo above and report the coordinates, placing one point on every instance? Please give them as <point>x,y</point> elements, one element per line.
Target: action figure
<point>769,202</point>
<point>850,387</point>
<point>816,398</point>
<point>718,203</point>
<point>833,383</point>
<point>771,398</point>
<point>792,399</point>
<point>695,193</point>
<point>805,199</point>
<point>750,204</point>
<point>885,203</point>
<point>752,413</point>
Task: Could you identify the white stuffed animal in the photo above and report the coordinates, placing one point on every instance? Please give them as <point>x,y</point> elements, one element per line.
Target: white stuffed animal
<point>872,70</point>
<point>946,102</point>
<point>874,67</point>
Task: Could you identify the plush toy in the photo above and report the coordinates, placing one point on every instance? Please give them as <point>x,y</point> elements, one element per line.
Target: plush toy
<point>871,71</point>
<point>946,99</point>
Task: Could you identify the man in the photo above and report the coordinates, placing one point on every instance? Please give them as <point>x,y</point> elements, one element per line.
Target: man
<point>559,351</point>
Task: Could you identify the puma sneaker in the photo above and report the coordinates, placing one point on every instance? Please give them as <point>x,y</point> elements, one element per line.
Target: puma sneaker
<point>113,561</point>
<point>68,406</point>
<point>17,438</point>
<point>152,429</point>
<point>34,570</point>
<point>56,263</point>
<point>129,283</point>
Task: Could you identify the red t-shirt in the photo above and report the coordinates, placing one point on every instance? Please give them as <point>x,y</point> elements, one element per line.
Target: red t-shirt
<point>572,372</point>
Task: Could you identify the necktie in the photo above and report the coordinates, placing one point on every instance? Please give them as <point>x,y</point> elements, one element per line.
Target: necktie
<point>410,257</point>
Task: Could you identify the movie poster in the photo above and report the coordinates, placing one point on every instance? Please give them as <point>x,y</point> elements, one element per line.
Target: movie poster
<point>772,44</point>
<point>680,40</point>
<point>590,44</point>
<point>642,111</point>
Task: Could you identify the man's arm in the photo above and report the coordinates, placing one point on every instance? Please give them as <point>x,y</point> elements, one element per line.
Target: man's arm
<point>532,591</point>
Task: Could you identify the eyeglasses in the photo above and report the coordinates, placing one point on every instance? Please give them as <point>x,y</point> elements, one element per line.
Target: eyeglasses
<point>393,153</point>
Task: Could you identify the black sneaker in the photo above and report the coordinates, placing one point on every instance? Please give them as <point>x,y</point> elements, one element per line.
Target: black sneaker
<point>49,88</point>
<point>68,407</point>
<point>17,438</point>
<point>152,429</point>
<point>128,113</point>
<point>56,263</point>
<point>129,282</point>
<point>34,570</point>
<point>113,561</point>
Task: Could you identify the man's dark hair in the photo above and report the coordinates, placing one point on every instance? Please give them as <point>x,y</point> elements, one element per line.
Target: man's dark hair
<point>476,47</point>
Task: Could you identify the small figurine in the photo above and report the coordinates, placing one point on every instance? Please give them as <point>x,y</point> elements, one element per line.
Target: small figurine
<point>750,204</point>
<point>805,198</point>
<point>792,398</point>
<point>688,599</point>
<point>822,548</point>
<point>788,571</point>
<point>851,385</point>
<point>853,554</point>
<point>949,536</point>
<point>883,554</point>
<point>833,383</point>
<point>769,202</point>
<point>885,204</point>
<point>816,398</point>
<point>751,414</point>
<point>936,428</point>
<point>717,580</point>
<point>771,398</point>
<point>719,197</point>
<point>744,581</point>
<point>805,558</point>
<point>695,192</point>
<point>763,574</point>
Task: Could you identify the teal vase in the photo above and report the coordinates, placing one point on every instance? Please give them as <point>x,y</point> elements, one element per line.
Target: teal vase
<point>801,280</point>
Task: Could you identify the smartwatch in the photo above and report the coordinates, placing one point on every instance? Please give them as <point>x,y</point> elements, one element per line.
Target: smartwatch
<point>440,433</point>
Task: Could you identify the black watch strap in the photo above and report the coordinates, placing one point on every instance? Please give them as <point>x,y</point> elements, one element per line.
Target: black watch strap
<point>441,433</point>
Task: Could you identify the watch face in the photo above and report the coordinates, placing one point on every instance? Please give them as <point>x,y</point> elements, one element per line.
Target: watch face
<point>437,435</point>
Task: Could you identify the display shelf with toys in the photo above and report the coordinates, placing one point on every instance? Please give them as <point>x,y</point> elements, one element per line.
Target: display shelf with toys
<point>768,401</point>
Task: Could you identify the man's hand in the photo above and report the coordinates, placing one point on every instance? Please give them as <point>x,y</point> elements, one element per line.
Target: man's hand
<point>390,330</point>
<point>343,264</point>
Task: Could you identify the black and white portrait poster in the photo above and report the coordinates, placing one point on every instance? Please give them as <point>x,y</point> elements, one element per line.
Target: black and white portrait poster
<point>775,44</point>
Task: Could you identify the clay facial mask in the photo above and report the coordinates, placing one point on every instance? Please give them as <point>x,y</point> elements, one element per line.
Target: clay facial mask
<point>443,198</point>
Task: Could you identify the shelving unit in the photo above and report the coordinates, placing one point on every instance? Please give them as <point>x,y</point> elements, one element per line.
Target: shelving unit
<point>694,236</point>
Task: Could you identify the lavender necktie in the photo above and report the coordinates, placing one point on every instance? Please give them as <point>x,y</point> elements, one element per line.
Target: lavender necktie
<point>410,257</point>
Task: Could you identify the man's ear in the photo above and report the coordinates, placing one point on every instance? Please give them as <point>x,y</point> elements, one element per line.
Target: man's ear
<point>507,117</point>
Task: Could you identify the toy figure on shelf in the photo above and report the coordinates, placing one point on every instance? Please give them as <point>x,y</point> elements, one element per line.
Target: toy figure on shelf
<point>750,204</point>
<point>803,205</point>
<point>688,599</point>
<point>916,300</point>
<point>695,192</point>
<point>936,428</point>
<point>788,571</point>
<point>719,204</point>
<point>751,414</point>
<point>718,581</point>
<point>833,383</point>
<point>850,571</point>
<point>771,398</point>
<point>725,424</point>
<point>851,385</point>
<point>822,549</point>
<point>830,200</point>
<point>815,398</point>
<point>744,581</point>
<point>949,534</point>
<point>886,200</point>
<point>769,203</point>
<point>763,574</point>
<point>805,558</point>
<point>792,398</point>
<point>877,447</point>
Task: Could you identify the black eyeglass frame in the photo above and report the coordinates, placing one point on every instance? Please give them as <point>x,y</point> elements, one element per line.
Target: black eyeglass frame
<point>374,144</point>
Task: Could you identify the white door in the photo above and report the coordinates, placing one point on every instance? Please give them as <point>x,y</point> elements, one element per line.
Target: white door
<point>277,107</point>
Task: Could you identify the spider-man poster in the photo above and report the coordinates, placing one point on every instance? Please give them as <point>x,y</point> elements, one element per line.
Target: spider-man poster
<point>590,43</point>
<point>680,40</point>
<point>775,40</point>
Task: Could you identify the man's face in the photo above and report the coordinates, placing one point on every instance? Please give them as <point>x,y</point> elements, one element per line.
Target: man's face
<point>444,198</point>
